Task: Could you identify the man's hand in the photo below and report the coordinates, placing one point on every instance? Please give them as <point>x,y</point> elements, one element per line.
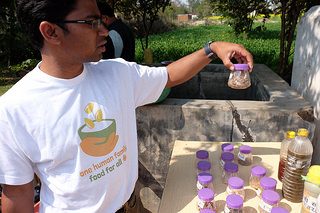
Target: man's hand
<point>16,199</point>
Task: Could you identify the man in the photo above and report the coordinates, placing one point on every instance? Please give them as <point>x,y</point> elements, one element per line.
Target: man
<point>121,40</point>
<point>71,120</point>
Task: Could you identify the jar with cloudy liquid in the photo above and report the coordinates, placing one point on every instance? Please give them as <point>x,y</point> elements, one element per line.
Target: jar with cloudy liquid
<point>269,199</point>
<point>229,170</point>
<point>236,186</point>
<point>206,199</point>
<point>226,157</point>
<point>257,172</point>
<point>203,166</point>
<point>267,183</point>
<point>245,157</point>
<point>239,78</point>
<point>204,180</point>
<point>234,204</point>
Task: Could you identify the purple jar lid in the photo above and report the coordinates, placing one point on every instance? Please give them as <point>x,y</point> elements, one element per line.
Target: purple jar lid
<point>207,211</point>
<point>235,183</point>
<point>230,167</point>
<point>234,201</point>
<point>205,178</point>
<point>268,183</point>
<point>204,165</point>
<point>245,149</point>
<point>270,197</point>
<point>258,171</point>
<point>227,156</point>
<point>206,194</point>
<point>228,148</point>
<point>279,210</point>
<point>202,154</point>
<point>241,66</point>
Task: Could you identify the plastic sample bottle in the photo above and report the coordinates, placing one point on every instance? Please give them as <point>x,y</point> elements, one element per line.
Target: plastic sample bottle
<point>227,147</point>
<point>257,172</point>
<point>229,170</point>
<point>279,209</point>
<point>267,183</point>
<point>202,155</point>
<point>203,166</point>
<point>245,155</point>
<point>204,180</point>
<point>311,190</point>
<point>298,162</point>
<point>206,199</point>
<point>234,204</point>
<point>226,157</point>
<point>236,186</point>
<point>269,199</point>
<point>290,135</point>
<point>240,77</point>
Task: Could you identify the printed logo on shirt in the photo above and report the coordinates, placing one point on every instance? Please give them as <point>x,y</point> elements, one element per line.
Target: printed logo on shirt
<point>98,135</point>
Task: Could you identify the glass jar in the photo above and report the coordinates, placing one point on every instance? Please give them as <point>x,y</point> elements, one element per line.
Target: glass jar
<point>257,172</point>
<point>311,190</point>
<point>226,157</point>
<point>203,166</point>
<point>227,147</point>
<point>205,180</point>
<point>207,211</point>
<point>206,199</point>
<point>245,155</point>
<point>229,170</point>
<point>267,183</point>
<point>279,209</point>
<point>202,155</point>
<point>239,78</point>
<point>269,199</point>
<point>234,204</point>
<point>236,186</point>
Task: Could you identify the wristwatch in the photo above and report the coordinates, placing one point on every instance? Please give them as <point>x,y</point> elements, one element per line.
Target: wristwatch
<point>210,54</point>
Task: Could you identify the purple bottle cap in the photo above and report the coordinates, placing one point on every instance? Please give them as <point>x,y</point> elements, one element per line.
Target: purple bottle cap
<point>279,210</point>
<point>206,194</point>
<point>270,197</point>
<point>207,211</point>
<point>234,201</point>
<point>227,156</point>
<point>268,183</point>
<point>235,183</point>
<point>202,154</point>
<point>228,148</point>
<point>204,165</point>
<point>258,171</point>
<point>241,67</point>
<point>245,149</point>
<point>230,167</point>
<point>205,178</point>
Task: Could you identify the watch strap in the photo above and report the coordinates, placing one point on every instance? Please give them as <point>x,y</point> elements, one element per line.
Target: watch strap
<point>210,54</point>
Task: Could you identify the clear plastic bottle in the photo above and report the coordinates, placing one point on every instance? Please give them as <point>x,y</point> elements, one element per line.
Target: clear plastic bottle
<point>202,155</point>
<point>234,204</point>
<point>257,172</point>
<point>236,186</point>
<point>204,180</point>
<point>206,199</point>
<point>311,190</point>
<point>240,77</point>
<point>269,199</point>
<point>203,166</point>
<point>279,209</point>
<point>290,135</point>
<point>245,155</point>
<point>298,162</point>
<point>227,147</point>
<point>229,170</point>
<point>226,157</point>
<point>267,183</point>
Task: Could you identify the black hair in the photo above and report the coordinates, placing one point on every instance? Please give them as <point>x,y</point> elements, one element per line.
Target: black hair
<point>31,13</point>
<point>105,9</point>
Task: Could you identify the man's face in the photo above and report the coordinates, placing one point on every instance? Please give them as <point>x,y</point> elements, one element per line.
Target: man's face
<point>82,43</point>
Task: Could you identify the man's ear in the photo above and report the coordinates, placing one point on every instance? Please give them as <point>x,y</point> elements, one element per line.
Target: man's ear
<point>50,32</point>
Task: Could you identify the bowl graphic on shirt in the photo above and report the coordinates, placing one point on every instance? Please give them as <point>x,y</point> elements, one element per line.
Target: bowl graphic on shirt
<point>100,140</point>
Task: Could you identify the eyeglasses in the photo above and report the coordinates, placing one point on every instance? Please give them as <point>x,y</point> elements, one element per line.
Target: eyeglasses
<point>95,24</point>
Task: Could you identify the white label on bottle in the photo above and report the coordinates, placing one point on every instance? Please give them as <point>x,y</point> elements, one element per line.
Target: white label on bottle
<point>201,203</point>
<point>222,163</point>
<point>241,156</point>
<point>297,163</point>
<point>199,185</point>
<point>263,205</point>
<point>226,209</point>
<point>258,191</point>
<point>310,203</point>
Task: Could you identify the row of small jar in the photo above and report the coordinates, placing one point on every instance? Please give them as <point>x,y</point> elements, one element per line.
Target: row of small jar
<point>235,184</point>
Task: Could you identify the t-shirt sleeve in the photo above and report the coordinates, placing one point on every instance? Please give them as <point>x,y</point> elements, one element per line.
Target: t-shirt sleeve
<point>15,167</point>
<point>149,83</point>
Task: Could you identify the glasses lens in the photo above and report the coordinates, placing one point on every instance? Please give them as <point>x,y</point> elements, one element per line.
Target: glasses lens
<point>96,24</point>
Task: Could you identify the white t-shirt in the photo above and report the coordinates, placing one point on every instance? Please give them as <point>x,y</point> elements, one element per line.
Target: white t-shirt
<point>78,135</point>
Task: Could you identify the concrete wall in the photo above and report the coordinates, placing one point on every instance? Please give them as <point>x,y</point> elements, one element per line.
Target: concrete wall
<point>306,68</point>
